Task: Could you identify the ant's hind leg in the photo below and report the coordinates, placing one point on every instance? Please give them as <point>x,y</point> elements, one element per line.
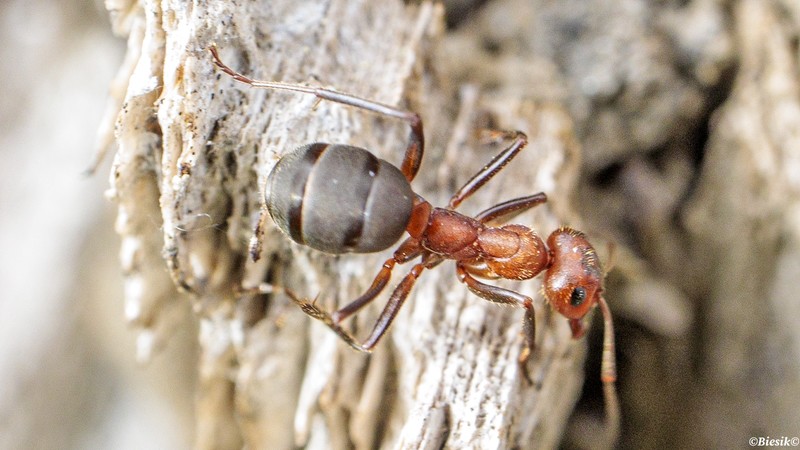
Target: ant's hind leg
<point>416,140</point>
<point>311,309</point>
<point>307,306</point>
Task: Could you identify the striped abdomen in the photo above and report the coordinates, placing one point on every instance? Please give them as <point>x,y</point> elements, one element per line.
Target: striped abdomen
<point>339,199</point>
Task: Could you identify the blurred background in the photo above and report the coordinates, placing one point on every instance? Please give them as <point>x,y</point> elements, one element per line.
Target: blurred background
<point>68,373</point>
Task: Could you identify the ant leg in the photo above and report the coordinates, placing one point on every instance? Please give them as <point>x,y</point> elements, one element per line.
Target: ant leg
<point>311,309</point>
<point>391,309</point>
<point>397,299</point>
<point>489,170</point>
<point>492,293</point>
<point>608,374</point>
<point>380,281</point>
<point>385,319</point>
<point>506,297</point>
<point>308,307</point>
<point>407,251</point>
<point>416,144</point>
<point>507,210</point>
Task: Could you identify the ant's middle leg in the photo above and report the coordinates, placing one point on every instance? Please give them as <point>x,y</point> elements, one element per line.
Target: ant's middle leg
<point>489,170</point>
<point>387,315</point>
<point>407,251</point>
<point>391,309</point>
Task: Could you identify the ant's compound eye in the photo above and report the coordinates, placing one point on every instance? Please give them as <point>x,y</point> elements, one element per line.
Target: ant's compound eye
<point>578,296</point>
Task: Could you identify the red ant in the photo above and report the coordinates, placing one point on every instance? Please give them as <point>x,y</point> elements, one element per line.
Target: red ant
<point>340,199</point>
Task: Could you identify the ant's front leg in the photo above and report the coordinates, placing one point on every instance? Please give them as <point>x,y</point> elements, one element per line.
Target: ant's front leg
<point>503,212</point>
<point>506,297</point>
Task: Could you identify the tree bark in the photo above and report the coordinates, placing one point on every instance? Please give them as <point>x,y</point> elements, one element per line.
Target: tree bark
<point>194,151</point>
<point>687,112</point>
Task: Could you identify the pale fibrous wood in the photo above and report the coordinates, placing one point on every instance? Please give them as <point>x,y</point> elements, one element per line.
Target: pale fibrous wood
<point>194,150</point>
<point>688,114</point>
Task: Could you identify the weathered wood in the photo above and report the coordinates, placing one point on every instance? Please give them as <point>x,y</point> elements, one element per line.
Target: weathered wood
<point>194,151</point>
<point>687,112</point>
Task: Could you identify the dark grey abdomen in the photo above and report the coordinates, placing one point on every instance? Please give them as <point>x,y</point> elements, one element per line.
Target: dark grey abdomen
<point>339,199</point>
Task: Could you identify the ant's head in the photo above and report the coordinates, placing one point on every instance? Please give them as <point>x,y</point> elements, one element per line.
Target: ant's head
<point>573,282</point>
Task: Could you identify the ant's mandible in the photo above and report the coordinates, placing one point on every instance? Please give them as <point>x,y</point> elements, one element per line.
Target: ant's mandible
<point>342,199</point>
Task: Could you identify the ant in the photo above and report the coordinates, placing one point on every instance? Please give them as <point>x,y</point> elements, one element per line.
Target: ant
<point>342,199</point>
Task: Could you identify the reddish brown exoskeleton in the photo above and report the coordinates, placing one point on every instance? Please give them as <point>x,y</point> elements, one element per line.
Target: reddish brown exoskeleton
<point>340,199</point>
